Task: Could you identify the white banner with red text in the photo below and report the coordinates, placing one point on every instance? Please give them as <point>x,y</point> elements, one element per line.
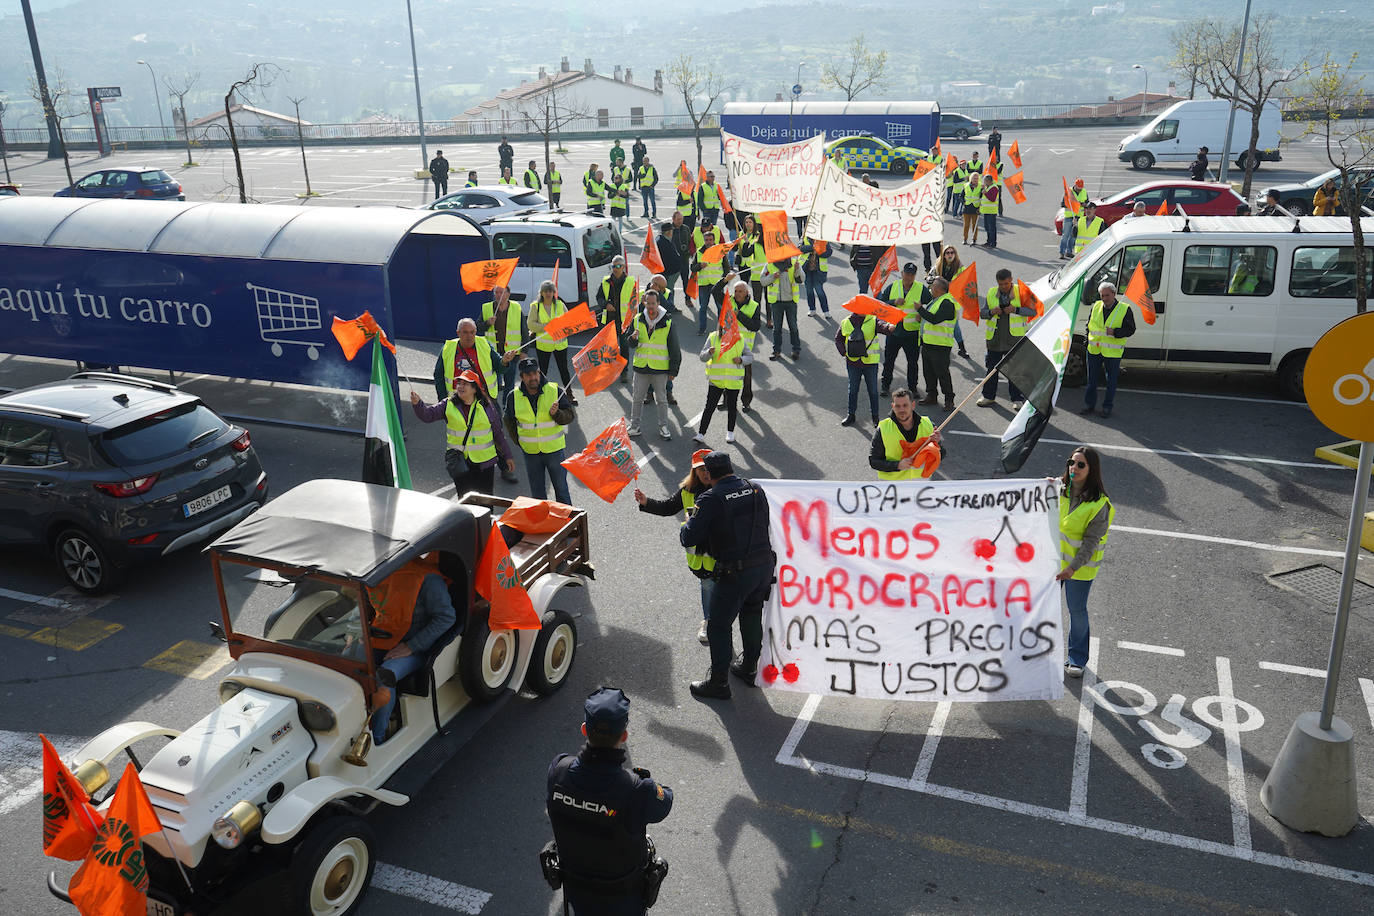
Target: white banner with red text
<point>773,176</point>
<point>848,212</point>
<point>915,590</point>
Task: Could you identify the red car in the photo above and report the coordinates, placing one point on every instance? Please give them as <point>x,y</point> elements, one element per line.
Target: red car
<point>1198,198</point>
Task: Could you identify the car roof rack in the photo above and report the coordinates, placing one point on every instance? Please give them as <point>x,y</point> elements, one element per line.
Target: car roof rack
<point>44,410</point>
<point>128,379</point>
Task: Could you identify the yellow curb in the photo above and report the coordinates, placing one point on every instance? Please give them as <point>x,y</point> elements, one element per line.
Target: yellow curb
<point>16,632</point>
<point>1346,454</point>
<point>189,658</point>
<point>77,635</point>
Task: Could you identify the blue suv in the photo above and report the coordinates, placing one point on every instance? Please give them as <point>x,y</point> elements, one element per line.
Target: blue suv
<point>135,183</point>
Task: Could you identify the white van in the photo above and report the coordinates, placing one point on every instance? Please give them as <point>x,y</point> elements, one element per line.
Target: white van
<point>1184,127</point>
<point>582,244</point>
<point>1232,294</point>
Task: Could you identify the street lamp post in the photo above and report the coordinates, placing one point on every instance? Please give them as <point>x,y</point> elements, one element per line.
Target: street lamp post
<point>1146,95</point>
<point>419,109</point>
<point>792,100</point>
<point>157,95</point>
<point>1231,111</point>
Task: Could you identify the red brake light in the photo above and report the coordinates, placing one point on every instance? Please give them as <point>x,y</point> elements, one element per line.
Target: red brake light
<point>143,192</point>
<point>243,443</point>
<point>143,539</point>
<point>581,280</point>
<point>126,488</point>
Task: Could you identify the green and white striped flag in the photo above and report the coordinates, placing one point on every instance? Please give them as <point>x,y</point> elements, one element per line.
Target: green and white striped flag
<point>384,449</point>
<point>1036,366</point>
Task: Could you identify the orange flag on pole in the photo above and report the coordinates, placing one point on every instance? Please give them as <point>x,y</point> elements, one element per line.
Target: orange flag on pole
<point>1070,202</point>
<point>692,289</point>
<point>923,166</point>
<point>1138,291</point>
<point>886,267</point>
<point>113,881</point>
<point>573,321</point>
<point>951,164</point>
<point>1163,208</point>
<point>554,278</point>
<point>936,148</point>
<point>715,253</point>
<point>685,186</point>
<point>353,333</point>
<point>607,465</point>
<point>867,305</point>
<point>631,309</point>
<point>1027,297</point>
<point>649,256</point>
<point>481,275</point>
<point>964,289</point>
<point>1015,153</point>
<point>70,824</point>
<point>498,581</point>
<point>991,168</point>
<point>599,363</point>
<point>777,244</point>
<point>729,326</point>
<point>1016,184</point>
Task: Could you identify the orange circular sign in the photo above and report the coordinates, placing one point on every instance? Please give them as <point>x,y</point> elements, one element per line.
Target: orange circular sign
<point>1338,379</point>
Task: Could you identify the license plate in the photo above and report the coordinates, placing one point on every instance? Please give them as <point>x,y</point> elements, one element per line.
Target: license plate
<point>201,504</point>
<point>158,908</point>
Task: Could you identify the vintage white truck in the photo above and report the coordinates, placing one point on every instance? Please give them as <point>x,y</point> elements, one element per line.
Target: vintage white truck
<point>282,774</point>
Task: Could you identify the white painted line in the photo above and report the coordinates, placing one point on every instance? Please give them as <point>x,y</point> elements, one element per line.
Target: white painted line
<point>428,889</point>
<point>1244,459</point>
<point>33,599</point>
<point>1218,397</point>
<point>1147,647</point>
<point>1083,743</point>
<point>1234,542</point>
<point>921,774</point>
<point>692,423</point>
<point>1235,763</point>
<point>789,747</point>
<point>21,766</point>
<point>1367,688</point>
<point>1292,669</point>
<point>650,455</point>
<point>444,489</point>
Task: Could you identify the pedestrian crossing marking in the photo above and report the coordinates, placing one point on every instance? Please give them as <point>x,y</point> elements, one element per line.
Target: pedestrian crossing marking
<point>78,635</point>
<point>190,658</point>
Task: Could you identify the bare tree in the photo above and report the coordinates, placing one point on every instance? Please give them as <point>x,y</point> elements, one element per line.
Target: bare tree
<point>58,103</point>
<point>300,138</point>
<point>549,110</point>
<point>180,89</point>
<point>1188,49</point>
<point>859,70</point>
<point>259,76</point>
<point>1335,97</point>
<point>1251,85</point>
<point>701,87</point>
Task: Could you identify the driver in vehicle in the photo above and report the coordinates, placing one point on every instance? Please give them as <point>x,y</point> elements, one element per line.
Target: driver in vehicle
<point>412,609</point>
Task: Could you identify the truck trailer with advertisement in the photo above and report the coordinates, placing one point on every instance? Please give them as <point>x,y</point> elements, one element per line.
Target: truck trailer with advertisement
<point>914,124</point>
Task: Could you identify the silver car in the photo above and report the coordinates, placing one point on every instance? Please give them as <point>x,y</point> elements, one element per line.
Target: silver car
<point>487,201</point>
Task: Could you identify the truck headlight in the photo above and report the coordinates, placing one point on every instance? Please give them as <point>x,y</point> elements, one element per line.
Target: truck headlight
<point>234,825</point>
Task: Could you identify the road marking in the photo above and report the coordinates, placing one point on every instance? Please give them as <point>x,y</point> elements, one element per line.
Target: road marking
<point>1060,152</point>
<point>648,456</point>
<point>33,599</point>
<point>1245,459</point>
<point>77,635</point>
<point>1219,397</point>
<point>1147,647</point>
<point>789,747</point>
<point>189,658</point>
<point>16,632</point>
<point>1083,743</point>
<point>1367,688</point>
<point>428,889</point>
<point>1292,669</point>
<point>444,489</point>
<point>1235,763</point>
<point>1234,542</point>
<point>921,774</point>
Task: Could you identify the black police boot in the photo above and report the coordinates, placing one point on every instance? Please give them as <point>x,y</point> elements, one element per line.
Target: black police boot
<point>714,687</point>
<point>745,670</point>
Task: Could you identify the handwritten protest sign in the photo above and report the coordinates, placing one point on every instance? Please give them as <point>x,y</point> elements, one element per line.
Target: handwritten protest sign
<point>915,590</point>
<point>850,212</point>
<point>781,176</point>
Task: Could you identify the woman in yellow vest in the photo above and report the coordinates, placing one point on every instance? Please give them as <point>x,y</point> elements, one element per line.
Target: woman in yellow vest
<point>1085,516</point>
<point>543,310</point>
<point>475,441</point>
<point>973,193</point>
<point>685,500</point>
<point>724,379</point>
<point>751,256</point>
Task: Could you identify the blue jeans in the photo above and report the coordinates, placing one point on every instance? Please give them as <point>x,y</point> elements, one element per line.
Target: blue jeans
<point>1100,366</point>
<point>705,293</point>
<point>958,333</point>
<point>1067,236</point>
<point>505,378</point>
<point>433,594</point>
<point>1076,597</point>
<point>958,209</point>
<point>990,227</point>
<point>552,462</point>
<point>815,289</point>
<point>868,372</point>
<point>650,202</point>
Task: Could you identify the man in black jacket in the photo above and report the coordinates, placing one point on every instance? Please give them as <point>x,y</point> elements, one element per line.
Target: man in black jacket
<point>438,172</point>
<point>638,153</point>
<point>863,258</point>
<point>1197,169</point>
<point>507,154</point>
<point>677,235</point>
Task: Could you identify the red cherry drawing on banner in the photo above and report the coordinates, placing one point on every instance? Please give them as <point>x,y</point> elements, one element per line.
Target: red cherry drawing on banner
<point>1025,552</point>
<point>770,673</point>
<point>790,673</point>
<point>984,549</point>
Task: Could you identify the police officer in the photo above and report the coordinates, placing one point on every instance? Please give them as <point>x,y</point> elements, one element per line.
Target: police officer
<point>731,524</point>
<point>599,812</point>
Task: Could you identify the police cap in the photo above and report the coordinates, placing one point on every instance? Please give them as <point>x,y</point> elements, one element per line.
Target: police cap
<point>607,711</point>
<point>718,464</point>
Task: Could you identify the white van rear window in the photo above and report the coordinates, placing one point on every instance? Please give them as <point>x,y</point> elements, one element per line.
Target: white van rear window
<point>1326,273</point>
<point>1228,270</point>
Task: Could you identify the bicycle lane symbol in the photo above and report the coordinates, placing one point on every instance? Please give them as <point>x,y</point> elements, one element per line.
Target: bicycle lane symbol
<point>1366,390</point>
<point>1182,733</point>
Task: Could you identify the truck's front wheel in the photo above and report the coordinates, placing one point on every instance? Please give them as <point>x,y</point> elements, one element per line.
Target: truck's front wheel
<point>332,867</point>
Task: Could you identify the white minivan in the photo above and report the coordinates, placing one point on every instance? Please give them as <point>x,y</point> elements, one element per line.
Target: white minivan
<point>581,244</point>
<point>1232,294</point>
<point>1184,127</point>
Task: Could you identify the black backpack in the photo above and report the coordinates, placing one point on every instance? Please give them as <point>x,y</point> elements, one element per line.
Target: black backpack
<point>856,346</point>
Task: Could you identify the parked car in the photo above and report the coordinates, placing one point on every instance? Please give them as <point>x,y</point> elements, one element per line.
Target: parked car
<point>136,183</point>
<point>1197,198</point>
<point>8,190</point>
<point>961,127</point>
<point>872,154</point>
<point>103,470</point>
<point>1297,198</point>
<point>581,244</point>
<point>488,201</point>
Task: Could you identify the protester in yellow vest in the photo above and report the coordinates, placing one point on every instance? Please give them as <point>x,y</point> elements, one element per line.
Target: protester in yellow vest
<point>750,321</point>
<point>908,294</point>
<point>1109,324</point>
<point>507,178</point>
<point>535,415</point>
<point>725,368</point>
<point>1087,227</point>
<point>657,358</point>
<point>709,275</point>
<point>647,177</point>
<point>782,281</point>
<point>1070,220</point>
<point>465,351</point>
<point>596,193</point>
<point>708,198</point>
<point>503,325</point>
<point>937,342</point>
<point>685,500</point>
<point>553,180</point>
<point>857,341</point>
<point>1085,517</point>
<point>543,310</point>
<point>987,206</point>
<point>1007,320</point>
<point>531,176</point>
<point>475,441</point>
<point>904,425</point>
<point>615,300</point>
<point>814,268</point>
<point>973,193</point>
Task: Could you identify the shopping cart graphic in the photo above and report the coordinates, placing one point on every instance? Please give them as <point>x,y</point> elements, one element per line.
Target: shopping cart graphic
<point>897,131</point>
<point>284,318</point>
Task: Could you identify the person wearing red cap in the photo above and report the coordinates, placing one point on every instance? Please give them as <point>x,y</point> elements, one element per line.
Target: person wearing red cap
<point>685,500</point>
<point>476,439</point>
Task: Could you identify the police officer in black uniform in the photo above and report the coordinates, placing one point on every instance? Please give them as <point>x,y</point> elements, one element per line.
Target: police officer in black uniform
<point>599,812</point>
<point>731,524</point>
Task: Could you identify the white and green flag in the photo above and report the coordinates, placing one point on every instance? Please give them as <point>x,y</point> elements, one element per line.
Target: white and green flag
<point>384,449</point>
<point>1036,366</point>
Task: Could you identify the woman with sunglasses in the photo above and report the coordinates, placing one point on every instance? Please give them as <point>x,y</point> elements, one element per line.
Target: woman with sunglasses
<point>1085,516</point>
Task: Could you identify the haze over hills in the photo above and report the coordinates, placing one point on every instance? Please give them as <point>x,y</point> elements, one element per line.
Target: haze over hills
<point>351,58</point>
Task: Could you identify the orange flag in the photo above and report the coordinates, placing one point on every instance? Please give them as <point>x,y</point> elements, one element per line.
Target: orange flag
<point>1015,153</point>
<point>70,824</point>
<point>692,290</point>
<point>991,167</point>
<point>573,321</point>
<point>353,333</point>
<point>867,305</point>
<point>1163,208</point>
<point>777,244</point>
<point>631,309</point>
<point>1027,297</point>
<point>487,274</point>
<point>1016,184</point>
<point>599,363</point>
<point>925,165</point>
<point>886,267</point>
<point>498,581</point>
<point>536,516</point>
<point>554,278</point>
<point>685,186</point>
<point>951,164</point>
<point>715,253</point>
<point>607,465</point>
<point>1138,291</point>
<point>649,256</point>
<point>113,881</point>
<point>724,202</point>
<point>936,148</point>
<point>964,289</point>
<point>1070,202</point>
<point>729,326</point>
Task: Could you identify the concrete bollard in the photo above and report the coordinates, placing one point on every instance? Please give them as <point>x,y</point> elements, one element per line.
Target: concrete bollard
<point>1311,786</point>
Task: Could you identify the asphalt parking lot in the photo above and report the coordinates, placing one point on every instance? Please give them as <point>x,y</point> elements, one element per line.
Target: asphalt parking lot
<point>1136,792</point>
